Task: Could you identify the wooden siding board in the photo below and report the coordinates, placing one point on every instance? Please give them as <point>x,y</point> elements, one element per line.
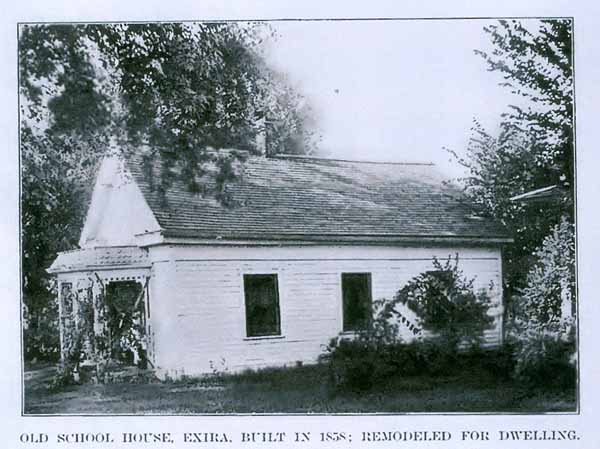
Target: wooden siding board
<point>201,319</point>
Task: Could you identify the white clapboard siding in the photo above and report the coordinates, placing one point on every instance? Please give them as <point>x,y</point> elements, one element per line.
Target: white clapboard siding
<point>197,299</point>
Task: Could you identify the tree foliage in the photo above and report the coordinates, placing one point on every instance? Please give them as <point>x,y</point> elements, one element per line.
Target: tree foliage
<point>550,289</point>
<point>537,66</point>
<point>176,88</point>
<point>544,326</point>
<point>534,147</point>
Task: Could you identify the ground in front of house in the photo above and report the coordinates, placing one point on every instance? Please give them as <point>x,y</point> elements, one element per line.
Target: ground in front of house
<point>293,390</point>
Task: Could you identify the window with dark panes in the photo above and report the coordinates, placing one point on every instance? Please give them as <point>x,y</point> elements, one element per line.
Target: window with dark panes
<point>262,305</point>
<point>356,296</point>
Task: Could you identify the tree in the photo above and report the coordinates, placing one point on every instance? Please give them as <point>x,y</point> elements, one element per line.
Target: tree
<point>537,66</point>
<point>534,148</point>
<point>181,88</point>
<point>52,210</point>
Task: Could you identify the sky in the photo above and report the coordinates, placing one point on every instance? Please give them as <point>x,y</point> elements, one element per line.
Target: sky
<point>392,90</point>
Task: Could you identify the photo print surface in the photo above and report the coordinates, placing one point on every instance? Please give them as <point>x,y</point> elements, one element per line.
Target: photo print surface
<point>298,216</point>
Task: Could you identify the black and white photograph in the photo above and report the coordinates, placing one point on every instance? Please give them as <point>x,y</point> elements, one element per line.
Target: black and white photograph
<point>291,217</point>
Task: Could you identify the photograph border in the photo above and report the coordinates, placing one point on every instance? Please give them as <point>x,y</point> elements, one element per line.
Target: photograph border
<point>576,186</point>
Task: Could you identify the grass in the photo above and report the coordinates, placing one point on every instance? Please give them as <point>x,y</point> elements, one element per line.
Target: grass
<point>293,390</point>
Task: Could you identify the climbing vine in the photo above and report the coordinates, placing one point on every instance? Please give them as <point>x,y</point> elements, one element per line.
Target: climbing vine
<point>97,337</point>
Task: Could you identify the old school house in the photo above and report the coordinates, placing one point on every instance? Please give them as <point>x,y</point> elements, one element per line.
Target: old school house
<point>296,257</point>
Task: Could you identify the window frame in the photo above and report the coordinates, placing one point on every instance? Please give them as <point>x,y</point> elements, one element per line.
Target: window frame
<point>369,277</point>
<point>247,335</point>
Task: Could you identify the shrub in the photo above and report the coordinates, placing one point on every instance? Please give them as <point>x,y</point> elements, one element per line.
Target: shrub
<point>435,357</point>
<point>499,361</point>
<point>40,330</point>
<point>447,305</point>
<point>356,362</point>
<point>351,365</point>
<point>41,343</point>
<point>543,329</point>
<point>546,358</point>
<point>356,366</point>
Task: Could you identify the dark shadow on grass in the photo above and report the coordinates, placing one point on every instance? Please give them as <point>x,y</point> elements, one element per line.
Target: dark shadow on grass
<point>301,390</point>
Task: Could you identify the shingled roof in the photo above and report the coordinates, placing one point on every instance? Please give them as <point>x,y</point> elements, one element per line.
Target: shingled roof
<point>98,258</point>
<point>286,198</point>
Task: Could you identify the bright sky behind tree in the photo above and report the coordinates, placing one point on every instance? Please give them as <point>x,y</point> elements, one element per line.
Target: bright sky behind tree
<point>393,90</point>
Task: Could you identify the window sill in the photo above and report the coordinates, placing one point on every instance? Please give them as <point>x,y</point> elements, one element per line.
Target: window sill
<point>265,337</point>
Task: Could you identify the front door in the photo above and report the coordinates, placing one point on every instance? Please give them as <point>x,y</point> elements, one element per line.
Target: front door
<point>126,320</point>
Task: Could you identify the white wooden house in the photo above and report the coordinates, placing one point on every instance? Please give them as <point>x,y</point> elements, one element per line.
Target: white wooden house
<point>293,261</point>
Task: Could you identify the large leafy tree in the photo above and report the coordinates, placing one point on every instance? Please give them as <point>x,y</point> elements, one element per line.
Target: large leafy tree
<point>183,88</point>
<point>534,148</point>
<point>536,63</point>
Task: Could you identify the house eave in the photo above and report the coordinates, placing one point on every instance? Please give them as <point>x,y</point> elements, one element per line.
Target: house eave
<point>187,237</point>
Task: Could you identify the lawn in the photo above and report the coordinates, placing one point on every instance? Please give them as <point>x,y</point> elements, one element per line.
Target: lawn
<point>293,390</point>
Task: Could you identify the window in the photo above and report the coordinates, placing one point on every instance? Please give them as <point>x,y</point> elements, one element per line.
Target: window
<point>262,305</point>
<point>356,297</point>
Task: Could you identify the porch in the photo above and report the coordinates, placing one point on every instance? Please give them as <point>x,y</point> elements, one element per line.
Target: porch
<point>104,309</point>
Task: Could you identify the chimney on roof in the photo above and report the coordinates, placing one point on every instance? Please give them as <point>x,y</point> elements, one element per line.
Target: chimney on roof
<point>264,136</point>
<point>261,136</point>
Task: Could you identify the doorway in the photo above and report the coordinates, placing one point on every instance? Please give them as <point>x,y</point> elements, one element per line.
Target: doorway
<point>126,321</point>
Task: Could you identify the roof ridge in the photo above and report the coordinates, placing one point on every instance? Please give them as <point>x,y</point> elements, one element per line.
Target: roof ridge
<point>249,153</point>
<point>326,159</point>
